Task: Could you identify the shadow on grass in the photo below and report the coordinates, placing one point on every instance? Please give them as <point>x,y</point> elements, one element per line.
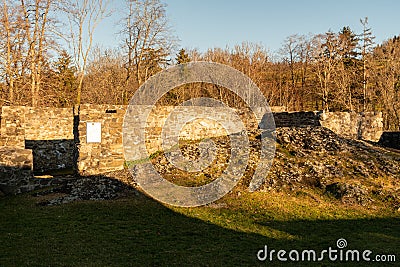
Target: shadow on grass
<point>138,231</point>
<point>381,235</point>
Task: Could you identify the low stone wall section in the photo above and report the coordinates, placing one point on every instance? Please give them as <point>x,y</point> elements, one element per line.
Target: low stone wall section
<point>52,155</point>
<point>15,169</point>
<point>297,119</point>
<point>365,125</point>
<point>390,139</point>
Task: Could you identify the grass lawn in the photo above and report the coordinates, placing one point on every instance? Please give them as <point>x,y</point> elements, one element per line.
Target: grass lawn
<point>138,231</point>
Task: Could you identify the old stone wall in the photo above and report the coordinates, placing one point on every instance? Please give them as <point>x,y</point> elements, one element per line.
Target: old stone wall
<point>296,119</point>
<point>15,168</point>
<point>59,139</point>
<point>48,132</point>
<point>390,139</point>
<point>365,126</point>
<point>166,121</point>
<point>48,123</point>
<point>106,155</point>
<point>12,131</point>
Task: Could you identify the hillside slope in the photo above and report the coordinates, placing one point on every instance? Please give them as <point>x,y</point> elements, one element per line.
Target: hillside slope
<point>312,158</point>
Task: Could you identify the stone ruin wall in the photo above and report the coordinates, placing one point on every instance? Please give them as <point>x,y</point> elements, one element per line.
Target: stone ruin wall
<point>33,139</point>
<point>15,169</point>
<point>12,130</point>
<point>109,154</point>
<point>390,139</point>
<point>47,132</point>
<point>364,125</point>
<point>54,138</point>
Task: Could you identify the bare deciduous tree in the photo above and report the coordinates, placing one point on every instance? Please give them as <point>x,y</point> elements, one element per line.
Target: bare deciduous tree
<point>386,80</point>
<point>84,17</point>
<point>7,54</point>
<point>147,36</point>
<point>25,45</point>
<point>325,61</point>
<point>36,22</point>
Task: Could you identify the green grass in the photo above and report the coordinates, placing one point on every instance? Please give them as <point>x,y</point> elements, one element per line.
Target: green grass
<point>130,164</point>
<point>138,231</point>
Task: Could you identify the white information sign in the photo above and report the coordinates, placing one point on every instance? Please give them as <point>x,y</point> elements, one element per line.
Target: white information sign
<point>93,132</point>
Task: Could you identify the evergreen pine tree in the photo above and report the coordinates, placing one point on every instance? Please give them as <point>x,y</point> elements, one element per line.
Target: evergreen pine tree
<point>182,57</point>
<point>66,79</point>
<point>367,40</point>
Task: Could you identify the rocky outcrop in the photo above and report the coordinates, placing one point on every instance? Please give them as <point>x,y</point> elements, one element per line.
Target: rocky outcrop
<point>312,158</point>
<point>351,170</point>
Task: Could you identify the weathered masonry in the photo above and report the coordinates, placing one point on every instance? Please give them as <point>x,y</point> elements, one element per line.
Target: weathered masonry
<point>52,139</point>
<point>390,139</point>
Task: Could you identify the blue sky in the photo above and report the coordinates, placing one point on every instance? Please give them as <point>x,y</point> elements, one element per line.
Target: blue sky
<point>204,24</point>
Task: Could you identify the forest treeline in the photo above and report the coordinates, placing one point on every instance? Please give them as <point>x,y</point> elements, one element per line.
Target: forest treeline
<point>48,58</point>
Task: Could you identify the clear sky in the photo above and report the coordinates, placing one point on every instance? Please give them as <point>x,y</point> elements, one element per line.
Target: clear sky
<point>206,24</point>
